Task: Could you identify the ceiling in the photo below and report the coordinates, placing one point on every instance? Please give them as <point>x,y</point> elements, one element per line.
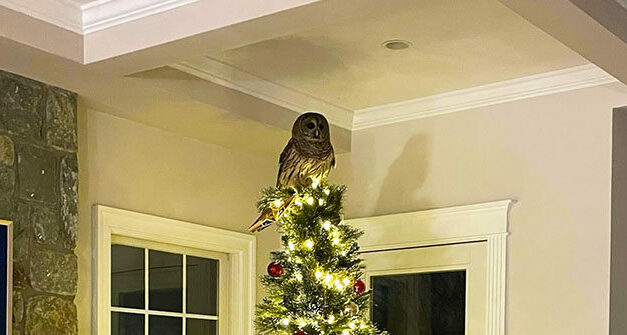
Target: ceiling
<point>456,45</point>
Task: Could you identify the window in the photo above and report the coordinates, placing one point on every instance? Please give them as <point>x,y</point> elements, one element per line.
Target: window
<point>160,276</point>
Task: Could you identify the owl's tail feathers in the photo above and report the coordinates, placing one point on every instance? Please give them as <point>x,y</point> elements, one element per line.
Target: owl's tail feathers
<point>264,221</point>
<point>271,214</point>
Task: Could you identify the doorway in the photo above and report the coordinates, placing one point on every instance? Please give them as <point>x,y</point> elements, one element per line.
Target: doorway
<point>439,271</point>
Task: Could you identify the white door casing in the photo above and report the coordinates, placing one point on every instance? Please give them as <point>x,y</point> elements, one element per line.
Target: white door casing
<point>435,227</point>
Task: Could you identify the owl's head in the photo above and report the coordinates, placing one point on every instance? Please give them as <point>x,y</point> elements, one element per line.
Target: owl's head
<point>312,127</point>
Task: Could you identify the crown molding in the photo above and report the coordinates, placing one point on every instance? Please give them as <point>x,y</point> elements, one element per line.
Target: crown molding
<point>480,96</point>
<point>103,14</point>
<point>90,17</point>
<point>226,75</point>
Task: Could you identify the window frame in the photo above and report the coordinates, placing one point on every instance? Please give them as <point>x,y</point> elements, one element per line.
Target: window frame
<point>113,225</point>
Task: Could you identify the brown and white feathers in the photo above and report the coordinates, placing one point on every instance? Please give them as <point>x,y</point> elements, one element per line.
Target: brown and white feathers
<point>307,156</point>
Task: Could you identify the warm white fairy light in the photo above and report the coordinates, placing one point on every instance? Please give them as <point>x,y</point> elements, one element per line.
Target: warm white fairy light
<point>326,225</point>
<point>351,325</point>
<point>331,319</point>
<point>291,245</point>
<point>285,322</point>
<point>298,276</point>
<point>315,183</point>
<point>320,202</point>
<point>318,274</point>
<point>328,279</point>
<point>336,240</point>
<point>345,332</point>
<point>309,244</point>
<point>346,281</point>
<point>338,285</point>
<point>278,203</point>
<point>327,191</point>
<point>310,200</point>
<point>298,202</point>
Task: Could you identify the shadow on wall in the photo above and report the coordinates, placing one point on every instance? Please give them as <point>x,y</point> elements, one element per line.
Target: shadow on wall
<point>400,190</point>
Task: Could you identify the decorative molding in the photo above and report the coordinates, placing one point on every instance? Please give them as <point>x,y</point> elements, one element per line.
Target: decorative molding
<point>234,78</point>
<point>102,14</point>
<point>497,281</point>
<point>486,222</point>
<point>434,226</point>
<point>239,247</point>
<point>85,18</point>
<point>480,96</point>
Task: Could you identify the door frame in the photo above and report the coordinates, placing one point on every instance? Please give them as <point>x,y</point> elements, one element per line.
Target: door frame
<point>461,224</point>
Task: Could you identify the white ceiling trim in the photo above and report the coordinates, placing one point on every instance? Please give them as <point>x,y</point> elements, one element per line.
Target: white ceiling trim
<point>102,14</point>
<point>231,77</point>
<point>480,96</point>
<point>93,16</point>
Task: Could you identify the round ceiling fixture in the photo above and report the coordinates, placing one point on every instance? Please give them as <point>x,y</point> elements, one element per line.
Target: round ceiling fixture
<point>397,44</point>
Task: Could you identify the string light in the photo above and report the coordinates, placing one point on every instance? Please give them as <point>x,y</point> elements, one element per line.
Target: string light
<point>298,202</point>
<point>310,200</point>
<point>285,322</point>
<point>309,244</point>
<point>320,202</point>
<point>326,225</point>
<point>291,245</point>
<point>315,183</point>
<point>278,203</point>
<point>327,191</point>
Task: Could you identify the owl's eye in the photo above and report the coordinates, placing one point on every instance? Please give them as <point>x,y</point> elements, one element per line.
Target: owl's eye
<point>311,125</point>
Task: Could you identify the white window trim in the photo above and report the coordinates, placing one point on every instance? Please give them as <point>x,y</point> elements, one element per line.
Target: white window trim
<point>239,247</point>
<point>481,222</point>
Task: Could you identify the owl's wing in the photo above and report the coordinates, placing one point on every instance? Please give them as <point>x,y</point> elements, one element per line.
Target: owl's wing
<point>284,159</point>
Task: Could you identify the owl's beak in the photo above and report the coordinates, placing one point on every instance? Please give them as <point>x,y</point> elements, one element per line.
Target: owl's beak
<point>317,134</point>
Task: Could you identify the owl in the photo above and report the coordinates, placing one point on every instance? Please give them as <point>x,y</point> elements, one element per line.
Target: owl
<point>307,156</point>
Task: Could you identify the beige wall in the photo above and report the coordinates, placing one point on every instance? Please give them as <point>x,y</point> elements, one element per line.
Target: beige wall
<point>552,154</point>
<point>132,166</point>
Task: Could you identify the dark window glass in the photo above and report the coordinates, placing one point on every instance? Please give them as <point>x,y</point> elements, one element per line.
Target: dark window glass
<point>127,324</point>
<point>166,281</point>
<point>165,325</point>
<point>202,286</point>
<point>421,303</point>
<point>127,277</point>
<point>202,327</point>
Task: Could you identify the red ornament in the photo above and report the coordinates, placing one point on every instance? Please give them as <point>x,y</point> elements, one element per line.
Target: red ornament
<point>300,332</point>
<point>275,269</point>
<point>359,286</point>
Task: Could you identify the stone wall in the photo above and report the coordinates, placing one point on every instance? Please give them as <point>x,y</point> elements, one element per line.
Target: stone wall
<point>38,192</point>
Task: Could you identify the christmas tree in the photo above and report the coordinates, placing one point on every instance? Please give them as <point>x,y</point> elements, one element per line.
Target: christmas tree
<point>314,284</point>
